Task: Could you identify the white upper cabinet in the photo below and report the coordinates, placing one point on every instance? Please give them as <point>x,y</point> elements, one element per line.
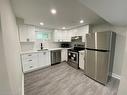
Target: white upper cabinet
<point>62,36</point>
<point>65,35</point>
<point>80,31</point>
<point>26,33</point>
<point>57,35</point>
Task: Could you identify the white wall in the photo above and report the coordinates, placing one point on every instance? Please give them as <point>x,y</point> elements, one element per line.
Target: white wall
<point>11,50</point>
<point>123,83</point>
<point>120,44</point>
<point>4,80</point>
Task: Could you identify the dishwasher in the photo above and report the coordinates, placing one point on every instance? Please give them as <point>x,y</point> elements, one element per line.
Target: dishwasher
<point>55,57</point>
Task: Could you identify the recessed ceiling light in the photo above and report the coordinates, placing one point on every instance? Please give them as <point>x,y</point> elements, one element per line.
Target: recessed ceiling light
<point>63,28</point>
<point>41,23</point>
<point>81,21</point>
<point>53,11</point>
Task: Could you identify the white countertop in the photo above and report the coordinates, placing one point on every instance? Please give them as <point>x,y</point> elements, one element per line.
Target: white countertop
<point>51,49</point>
<point>36,51</point>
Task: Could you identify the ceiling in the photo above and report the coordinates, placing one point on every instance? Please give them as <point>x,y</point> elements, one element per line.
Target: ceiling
<point>113,11</point>
<point>69,13</point>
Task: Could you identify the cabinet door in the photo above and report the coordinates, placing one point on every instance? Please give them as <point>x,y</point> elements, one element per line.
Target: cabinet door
<point>64,55</point>
<point>83,31</point>
<point>23,33</point>
<point>44,59</point>
<point>81,60</point>
<point>31,33</point>
<point>62,36</point>
<point>26,33</point>
<point>57,36</point>
<point>67,36</point>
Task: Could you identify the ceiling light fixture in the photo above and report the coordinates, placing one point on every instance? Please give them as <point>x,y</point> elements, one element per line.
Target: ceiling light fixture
<point>63,28</point>
<point>41,23</point>
<point>81,21</point>
<point>53,11</point>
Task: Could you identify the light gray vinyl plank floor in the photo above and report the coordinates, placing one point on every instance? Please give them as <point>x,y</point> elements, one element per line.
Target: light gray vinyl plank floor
<point>63,79</point>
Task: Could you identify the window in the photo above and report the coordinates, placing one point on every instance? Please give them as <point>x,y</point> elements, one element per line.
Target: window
<point>41,36</point>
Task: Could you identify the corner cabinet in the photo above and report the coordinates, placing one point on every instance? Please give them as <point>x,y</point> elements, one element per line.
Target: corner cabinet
<point>26,33</point>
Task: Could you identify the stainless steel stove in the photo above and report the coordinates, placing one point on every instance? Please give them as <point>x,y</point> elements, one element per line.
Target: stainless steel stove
<point>73,56</point>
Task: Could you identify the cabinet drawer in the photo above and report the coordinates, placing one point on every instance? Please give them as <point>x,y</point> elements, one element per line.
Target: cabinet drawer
<point>28,66</point>
<point>29,56</point>
<point>27,61</point>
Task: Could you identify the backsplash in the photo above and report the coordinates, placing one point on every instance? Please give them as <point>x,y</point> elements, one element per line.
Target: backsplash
<point>46,45</point>
<point>36,45</point>
<point>27,46</point>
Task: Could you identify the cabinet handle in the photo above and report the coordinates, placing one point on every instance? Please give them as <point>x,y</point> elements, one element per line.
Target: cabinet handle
<point>31,66</point>
<point>27,39</point>
<point>29,55</point>
<point>30,60</point>
<point>44,53</point>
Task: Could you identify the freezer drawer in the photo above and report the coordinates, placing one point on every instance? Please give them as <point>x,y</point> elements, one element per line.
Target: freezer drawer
<point>101,67</point>
<point>97,65</point>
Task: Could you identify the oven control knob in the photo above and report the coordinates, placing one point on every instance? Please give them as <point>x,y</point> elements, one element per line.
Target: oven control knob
<point>72,58</point>
<point>74,55</point>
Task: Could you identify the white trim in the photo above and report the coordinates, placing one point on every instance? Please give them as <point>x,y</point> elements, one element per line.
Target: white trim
<point>115,76</point>
<point>22,84</point>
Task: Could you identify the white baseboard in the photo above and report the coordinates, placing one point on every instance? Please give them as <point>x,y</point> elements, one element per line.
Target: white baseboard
<point>115,76</point>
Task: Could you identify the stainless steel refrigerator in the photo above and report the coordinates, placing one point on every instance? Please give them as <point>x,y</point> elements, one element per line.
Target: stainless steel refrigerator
<point>99,55</point>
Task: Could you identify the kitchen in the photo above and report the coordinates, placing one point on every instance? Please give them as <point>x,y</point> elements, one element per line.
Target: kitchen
<point>61,50</point>
<point>35,44</point>
<point>42,48</point>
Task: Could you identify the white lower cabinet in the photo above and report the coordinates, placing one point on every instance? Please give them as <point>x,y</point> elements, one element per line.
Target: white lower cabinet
<point>44,59</point>
<point>81,60</point>
<point>33,61</point>
<point>64,55</point>
<point>29,62</point>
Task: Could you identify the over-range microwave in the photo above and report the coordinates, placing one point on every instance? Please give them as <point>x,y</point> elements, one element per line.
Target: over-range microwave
<point>76,39</point>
